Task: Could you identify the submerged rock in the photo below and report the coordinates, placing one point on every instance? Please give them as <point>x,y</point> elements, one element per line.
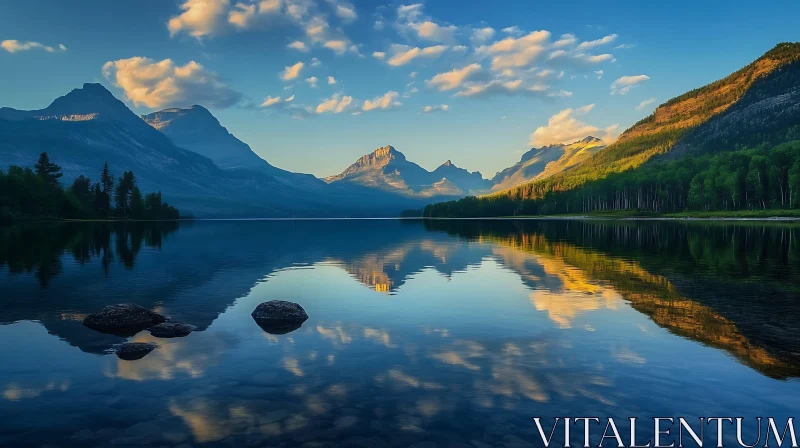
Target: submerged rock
<point>171,330</point>
<point>132,351</point>
<point>125,319</point>
<point>279,316</point>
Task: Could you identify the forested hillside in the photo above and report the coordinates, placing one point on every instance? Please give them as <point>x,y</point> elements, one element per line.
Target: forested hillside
<point>757,107</point>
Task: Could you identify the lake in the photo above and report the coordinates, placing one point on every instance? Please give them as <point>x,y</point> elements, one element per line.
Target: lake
<point>428,333</point>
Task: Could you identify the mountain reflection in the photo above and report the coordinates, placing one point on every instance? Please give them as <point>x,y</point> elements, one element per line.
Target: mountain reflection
<point>729,286</point>
<point>689,304</point>
<point>442,331</point>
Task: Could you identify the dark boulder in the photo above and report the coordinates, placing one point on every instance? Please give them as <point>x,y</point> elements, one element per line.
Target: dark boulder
<point>279,316</point>
<point>132,351</point>
<point>123,320</point>
<point>171,330</point>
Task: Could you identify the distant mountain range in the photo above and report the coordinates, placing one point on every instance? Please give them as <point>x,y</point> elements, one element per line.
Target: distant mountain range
<point>206,171</point>
<point>387,169</point>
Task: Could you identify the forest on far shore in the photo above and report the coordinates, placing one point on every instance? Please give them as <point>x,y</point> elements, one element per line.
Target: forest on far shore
<point>762,178</point>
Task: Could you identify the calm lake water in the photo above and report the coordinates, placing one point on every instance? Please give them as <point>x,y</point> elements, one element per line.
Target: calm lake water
<point>453,333</point>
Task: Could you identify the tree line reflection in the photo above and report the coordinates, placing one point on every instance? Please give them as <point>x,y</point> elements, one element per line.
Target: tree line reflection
<point>40,248</point>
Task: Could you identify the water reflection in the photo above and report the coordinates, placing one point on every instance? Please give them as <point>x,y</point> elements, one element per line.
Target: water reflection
<point>449,332</point>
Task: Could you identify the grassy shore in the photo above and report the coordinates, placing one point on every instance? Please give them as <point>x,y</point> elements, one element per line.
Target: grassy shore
<point>632,214</point>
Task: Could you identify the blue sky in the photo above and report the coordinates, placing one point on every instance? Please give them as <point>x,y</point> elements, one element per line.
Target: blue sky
<point>512,73</point>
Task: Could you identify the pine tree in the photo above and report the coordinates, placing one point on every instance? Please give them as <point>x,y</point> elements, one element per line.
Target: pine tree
<point>48,170</point>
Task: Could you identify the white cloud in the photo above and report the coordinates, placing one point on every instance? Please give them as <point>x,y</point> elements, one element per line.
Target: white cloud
<point>563,128</point>
<point>513,30</point>
<point>599,73</point>
<point>331,80</point>
<point>289,100</point>
<point>379,55</point>
<point>432,109</point>
<point>378,25</point>
<point>516,52</point>
<point>292,71</point>
<point>460,48</point>
<point>565,40</point>
<point>645,103</point>
<point>386,101</point>
<point>403,54</point>
<point>272,100</point>
<point>624,46</point>
<point>412,75</point>
<point>455,78</point>
<point>298,45</point>
<point>594,43</point>
<point>624,84</point>
<point>13,46</point>
<point>499,87</point>
<point>409,12</point>
<point>346,11</point>
<point>158,84</point>
<point>481,35</point>
<point>335,104</point>
<point>202,17</point>
<point>315,62</point>
<point>432,31</point>
<point>312,81</point>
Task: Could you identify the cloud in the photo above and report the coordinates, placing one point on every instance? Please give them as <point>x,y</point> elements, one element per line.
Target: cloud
<point>624,46</point>
<point>291,72</point>
<point>386,101</point>
<point>645,103</point>
<point>345,11</point>
<point>289,100</point>
<point>298,45</point>
<point>455,78</point>
<point>432,109</point>
<point>565,40</point>
<point>516,52</point>
<point>594,43</point>
<point>409,12</point>
<point>564,128</point>
<point>203,17</point>
<point>429,30</point>
<point>500,87</point>
<point>312,81</point>
<point>315,62</point>
<point>403,54</point>
<point>624,84</point>
<point>335,104</point>
<point>331,80</point>
<point>158,84</point>
<point>481,35</point>
<point>272,100</point>
<point>513,30</point>
<point>379,55</point>
<point>13,46</point>
<point>599,73</point>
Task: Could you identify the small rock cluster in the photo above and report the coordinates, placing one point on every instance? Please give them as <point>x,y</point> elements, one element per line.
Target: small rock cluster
<point>275,317</point>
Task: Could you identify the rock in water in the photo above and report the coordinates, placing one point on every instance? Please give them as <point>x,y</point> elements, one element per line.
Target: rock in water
<point>123,320</point>
<point>171,330</point>
<point>132,351</point>
<point>279,316</point>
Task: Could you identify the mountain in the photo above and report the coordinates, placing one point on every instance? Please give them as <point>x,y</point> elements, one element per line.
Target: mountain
<point>196,129</point>
<point>89,126</point>
<point>755,104</point>
<point>540,163</point>
<point>744,134</point>
<point>387,169</point>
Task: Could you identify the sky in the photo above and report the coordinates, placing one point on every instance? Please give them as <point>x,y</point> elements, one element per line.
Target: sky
<point>311,85</point>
